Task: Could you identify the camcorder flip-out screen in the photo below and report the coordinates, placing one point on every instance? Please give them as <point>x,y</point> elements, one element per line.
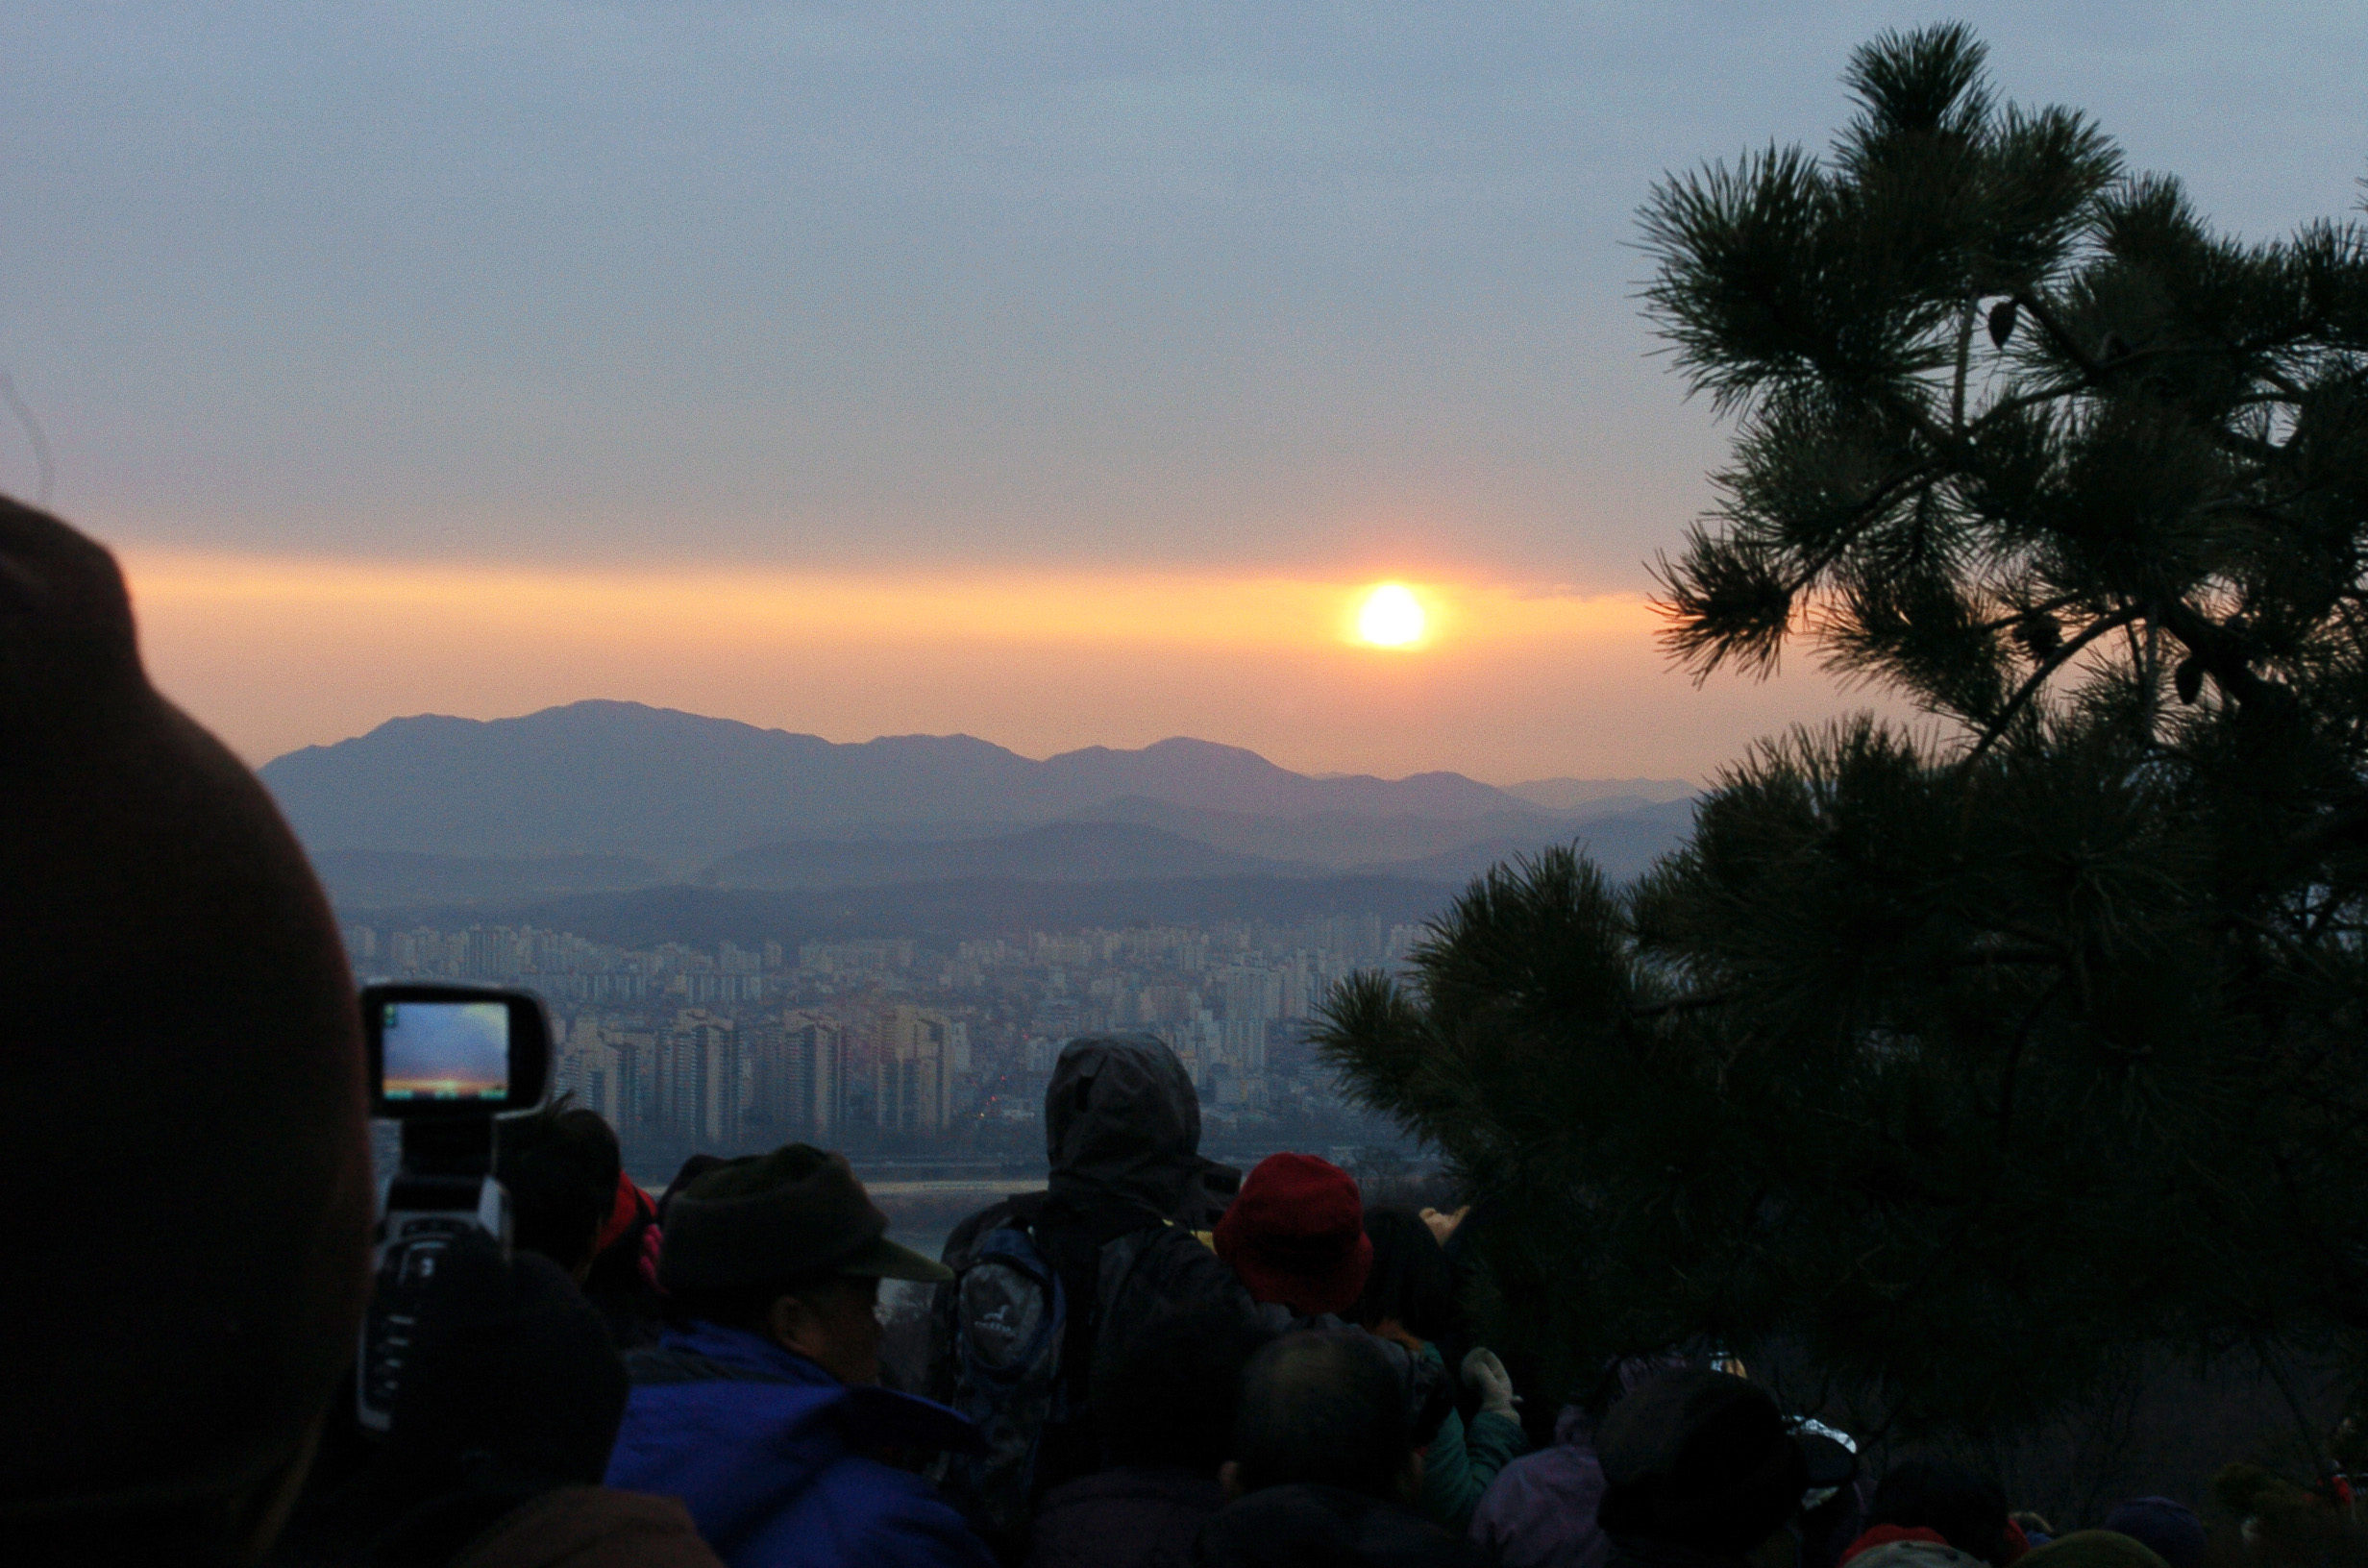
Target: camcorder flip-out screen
<point>453,1051</point>
<point>444,1061</point>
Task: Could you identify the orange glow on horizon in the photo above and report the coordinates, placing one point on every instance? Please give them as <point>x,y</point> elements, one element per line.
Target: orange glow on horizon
<point>783,607</point>
<point>1516,680</point>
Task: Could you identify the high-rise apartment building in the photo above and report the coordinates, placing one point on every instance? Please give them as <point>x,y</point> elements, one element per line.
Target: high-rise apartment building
<point>594,1071</point>
<point>700,1077</point>
<point>800,1089</point>
<point>914,1069</point>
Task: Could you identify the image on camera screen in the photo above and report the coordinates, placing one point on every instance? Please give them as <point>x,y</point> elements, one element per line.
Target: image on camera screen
<point>445,1050</point>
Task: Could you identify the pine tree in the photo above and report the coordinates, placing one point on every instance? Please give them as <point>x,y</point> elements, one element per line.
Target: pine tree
<point>1953,1064</point>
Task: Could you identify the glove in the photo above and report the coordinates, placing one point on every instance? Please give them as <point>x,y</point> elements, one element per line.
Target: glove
<point>1482,1370</point>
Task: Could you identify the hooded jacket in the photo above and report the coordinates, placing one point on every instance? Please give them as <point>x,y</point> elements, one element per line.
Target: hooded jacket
<point>770,1454</point>
<point>1127,1189</point>
<point>1122,1126</point>
<point>1123,1134</point>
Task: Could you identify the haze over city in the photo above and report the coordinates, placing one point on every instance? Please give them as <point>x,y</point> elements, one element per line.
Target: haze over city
<point>1054,376</point>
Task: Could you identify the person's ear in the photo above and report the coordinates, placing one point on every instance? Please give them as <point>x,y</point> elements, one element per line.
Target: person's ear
<point>791,1322</point>
<point>1229,1477</point>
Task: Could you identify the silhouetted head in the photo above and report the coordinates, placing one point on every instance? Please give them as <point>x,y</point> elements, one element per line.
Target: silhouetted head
<point>1169,1394</point>
<point>1411,1282</point>
<point>1327,1409</point>
<point>1296,1235</point>
<point>511,1368</point>
<point>1699,1459</point>
<point>1969,1511</point>
<point>1121,1124</point>
<point>788,1245</point>
<point>2164,1523</point>
<point>182,1093</point>
<point>560,1166</point>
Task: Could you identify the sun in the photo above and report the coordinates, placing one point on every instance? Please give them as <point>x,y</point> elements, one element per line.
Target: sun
<point>1391,616</point>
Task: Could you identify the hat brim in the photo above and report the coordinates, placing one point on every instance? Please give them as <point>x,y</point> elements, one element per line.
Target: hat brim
<point>884,1260</point>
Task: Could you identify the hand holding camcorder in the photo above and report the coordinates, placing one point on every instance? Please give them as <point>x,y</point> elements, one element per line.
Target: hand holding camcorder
<point>444,1061</point>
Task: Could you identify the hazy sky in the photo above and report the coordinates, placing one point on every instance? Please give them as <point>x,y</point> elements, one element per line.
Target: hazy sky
<point>1047,373</point>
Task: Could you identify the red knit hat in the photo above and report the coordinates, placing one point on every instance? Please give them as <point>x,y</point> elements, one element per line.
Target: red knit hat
<point>1296,1235</point>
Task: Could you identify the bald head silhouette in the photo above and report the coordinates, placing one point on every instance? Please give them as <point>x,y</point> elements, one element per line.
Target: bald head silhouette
<point>184,1138</point>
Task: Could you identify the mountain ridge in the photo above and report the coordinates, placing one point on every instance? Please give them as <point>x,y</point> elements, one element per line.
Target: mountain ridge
<point>604,795</point>
<point>607,778</point>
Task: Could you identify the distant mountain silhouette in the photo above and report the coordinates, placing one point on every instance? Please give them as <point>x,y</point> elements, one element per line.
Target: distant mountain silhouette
<point>621,778</point>
<point>1624,844</point>
<point>1059,852</point>
<point>1346,841</point>
<point>603,796</point>
<point>370,878</point>
<point>951,910</point>
<point>1593,794</point>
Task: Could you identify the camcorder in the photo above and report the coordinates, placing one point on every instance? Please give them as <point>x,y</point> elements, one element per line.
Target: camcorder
<point>445,1061</point>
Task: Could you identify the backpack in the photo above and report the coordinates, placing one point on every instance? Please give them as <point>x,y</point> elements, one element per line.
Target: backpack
<point>1004,1321</point>
<point>1012,1340</point>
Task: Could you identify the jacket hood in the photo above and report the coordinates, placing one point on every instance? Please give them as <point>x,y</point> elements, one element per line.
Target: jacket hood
<point>1122,1123</point>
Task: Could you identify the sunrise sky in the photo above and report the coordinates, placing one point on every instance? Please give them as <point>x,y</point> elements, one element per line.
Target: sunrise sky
<point>1060,375</point>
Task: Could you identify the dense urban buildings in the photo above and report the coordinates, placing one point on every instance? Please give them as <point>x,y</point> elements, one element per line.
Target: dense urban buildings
<point>891,1047</point>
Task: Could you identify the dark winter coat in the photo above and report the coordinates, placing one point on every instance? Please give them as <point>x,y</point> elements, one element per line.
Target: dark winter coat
<point>770,1453</point>
<point>1325,1527</point>
<point>1126,1518</point>
<point>1128,1185</point>
<point>590,1527</point>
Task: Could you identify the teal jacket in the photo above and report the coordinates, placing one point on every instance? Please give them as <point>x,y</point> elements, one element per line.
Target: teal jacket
<point>1462,1460</point>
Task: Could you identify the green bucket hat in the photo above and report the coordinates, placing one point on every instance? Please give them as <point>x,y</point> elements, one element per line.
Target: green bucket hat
<point>794,1213</point>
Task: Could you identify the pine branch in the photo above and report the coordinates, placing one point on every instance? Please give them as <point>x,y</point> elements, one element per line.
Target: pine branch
<point>2041,674</point>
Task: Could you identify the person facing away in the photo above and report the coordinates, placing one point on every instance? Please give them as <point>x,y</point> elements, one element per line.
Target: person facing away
<point>1539,1511</point>
<point>1164,1407</point>
<point>1927,1512</point>
<point>2164,1525</point>
<point>1106,1244</point>
<point>180,1103</point>
<point>1295,1237</point>
<point>760,1408</point>
<point>498,1440</point>
<point>1410,1299</point>
<point>560,1166</point>
<point>623,1279</point>
<point>1698,1469</point>
<point>1325,1469</point>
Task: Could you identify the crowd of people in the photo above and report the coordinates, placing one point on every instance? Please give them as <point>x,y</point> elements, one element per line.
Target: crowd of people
<point>1155,1361</point>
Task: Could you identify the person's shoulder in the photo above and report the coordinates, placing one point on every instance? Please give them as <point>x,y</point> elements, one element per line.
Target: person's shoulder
<point>1559,1468</point>
<point>591,1527</point>
<point>893,1518</point>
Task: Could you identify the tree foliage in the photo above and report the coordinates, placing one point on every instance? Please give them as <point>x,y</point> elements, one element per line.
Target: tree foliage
<point>1956,1060</point>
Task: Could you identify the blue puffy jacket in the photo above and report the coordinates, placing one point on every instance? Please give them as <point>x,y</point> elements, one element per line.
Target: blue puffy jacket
<point>765,1449</point>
